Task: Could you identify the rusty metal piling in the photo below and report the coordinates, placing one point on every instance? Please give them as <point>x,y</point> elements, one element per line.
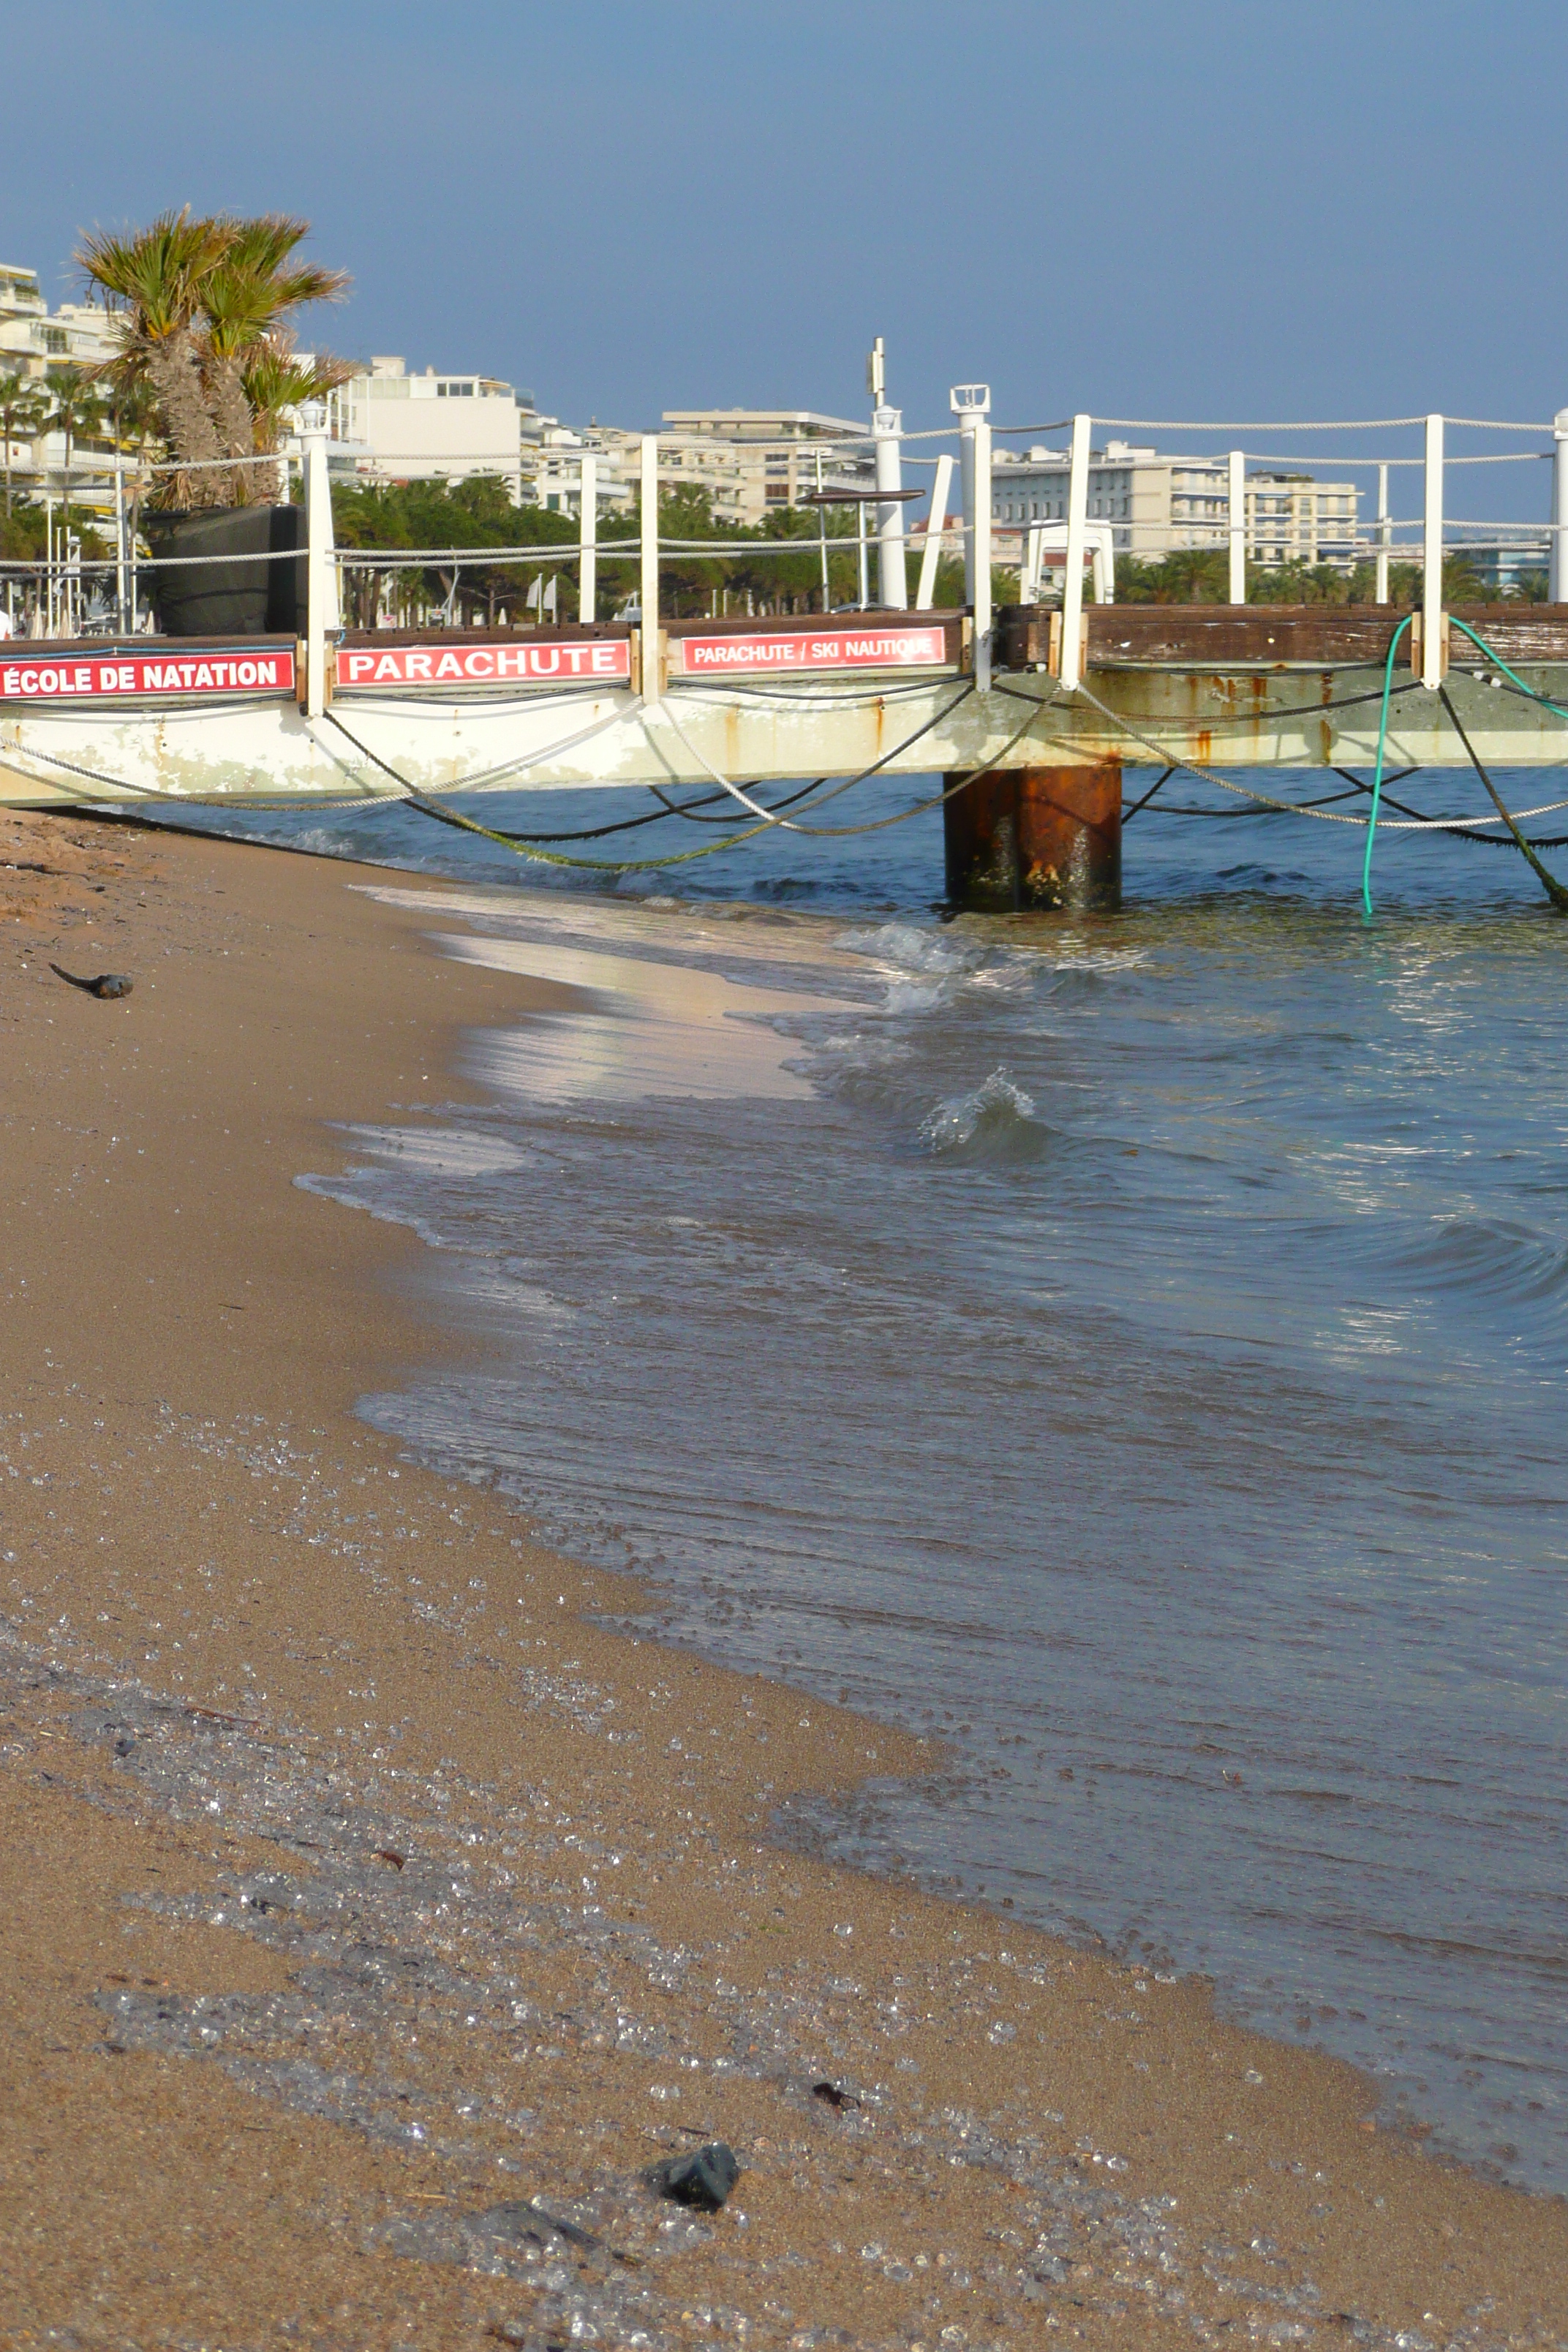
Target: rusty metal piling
<point>1046,840</point>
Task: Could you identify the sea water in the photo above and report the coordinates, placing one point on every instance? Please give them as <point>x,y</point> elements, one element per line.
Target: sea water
<point>1134,1349</point>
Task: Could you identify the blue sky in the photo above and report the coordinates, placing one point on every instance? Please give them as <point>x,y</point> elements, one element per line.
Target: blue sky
<point>1208,210</point>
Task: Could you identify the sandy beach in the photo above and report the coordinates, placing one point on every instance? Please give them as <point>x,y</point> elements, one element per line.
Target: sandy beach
<point>378,1907</point>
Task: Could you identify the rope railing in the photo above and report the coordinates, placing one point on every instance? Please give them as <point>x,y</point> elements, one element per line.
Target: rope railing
<point>1238,519</point>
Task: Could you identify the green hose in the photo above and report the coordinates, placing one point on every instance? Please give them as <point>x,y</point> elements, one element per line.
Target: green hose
<point>1377,777</point>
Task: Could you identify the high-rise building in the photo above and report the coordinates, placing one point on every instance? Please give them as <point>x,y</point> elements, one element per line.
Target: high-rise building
<point>1157,505</point>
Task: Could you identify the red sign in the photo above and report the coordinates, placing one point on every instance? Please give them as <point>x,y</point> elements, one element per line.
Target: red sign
<point>34,677</point>
<point>484,665</point>
<point>805,649</point>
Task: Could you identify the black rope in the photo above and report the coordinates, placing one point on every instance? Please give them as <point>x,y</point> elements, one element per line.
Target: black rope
<point>1549,882</point>
<point>1127,814</point>
<point>657,816</point>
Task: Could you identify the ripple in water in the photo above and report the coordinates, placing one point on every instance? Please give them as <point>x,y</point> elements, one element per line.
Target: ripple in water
<point>1132,1350</point>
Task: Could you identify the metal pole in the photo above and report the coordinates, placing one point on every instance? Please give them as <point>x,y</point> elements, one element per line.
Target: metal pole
<point>1380,590</point>
<point>118,541</point>
<point>966,425</point>
<point>321,585</point>
<point>1559,565</point>
<point>648,598</point>
<point>587,538</point>
<point>892,579</point>
<point>936,525</point>
<point>1238,490</point>
<point>822,534</point>
<point>130,546</point>
<point>982,556</point>
<point>1432,559</point>
<point>1072,586</point>
<point>971,404</point>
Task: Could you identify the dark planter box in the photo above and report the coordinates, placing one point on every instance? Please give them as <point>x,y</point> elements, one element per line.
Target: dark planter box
<point>219,597</point>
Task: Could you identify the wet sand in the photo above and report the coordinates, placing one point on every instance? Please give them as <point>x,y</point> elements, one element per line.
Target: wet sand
<point>372,1902</point>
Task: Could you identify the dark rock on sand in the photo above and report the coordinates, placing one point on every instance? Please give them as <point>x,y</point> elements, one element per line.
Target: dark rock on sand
<point>703,2179</point>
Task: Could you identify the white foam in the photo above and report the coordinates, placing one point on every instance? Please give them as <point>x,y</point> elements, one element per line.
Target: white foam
<point>954,1122</point>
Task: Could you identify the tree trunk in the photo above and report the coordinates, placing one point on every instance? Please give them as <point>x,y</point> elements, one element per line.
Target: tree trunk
<point>235,426</point>
<point>175,376</point>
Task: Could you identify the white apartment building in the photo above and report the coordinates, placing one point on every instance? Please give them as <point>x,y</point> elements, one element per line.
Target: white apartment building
<point>767,457</point>
<point>387,426</point>
<point>34,339</point>
<point>1158,504</point>
<point>751,461</point>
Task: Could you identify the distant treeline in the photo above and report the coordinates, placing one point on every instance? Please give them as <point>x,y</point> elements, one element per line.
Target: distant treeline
<point>477,513</point>
<point>1202,576</point>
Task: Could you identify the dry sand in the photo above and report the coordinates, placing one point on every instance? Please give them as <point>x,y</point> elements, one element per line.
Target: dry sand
<point>358,1888</point>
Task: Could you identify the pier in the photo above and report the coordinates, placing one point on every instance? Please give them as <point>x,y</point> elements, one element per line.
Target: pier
<point>1031,714</point>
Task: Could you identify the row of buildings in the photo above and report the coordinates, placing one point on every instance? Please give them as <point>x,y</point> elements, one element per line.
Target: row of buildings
<point>388,424</point>
<point>1158,505</point>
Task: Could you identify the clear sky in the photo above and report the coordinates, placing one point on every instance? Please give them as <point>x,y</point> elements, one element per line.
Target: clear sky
<point>1208,210</point>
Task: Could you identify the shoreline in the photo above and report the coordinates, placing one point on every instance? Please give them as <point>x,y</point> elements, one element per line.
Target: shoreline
<point>181,1408</point>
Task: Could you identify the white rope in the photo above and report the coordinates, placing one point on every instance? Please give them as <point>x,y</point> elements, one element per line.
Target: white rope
<point>504,768</point>
<point>198,465</point>
<point>789,824</point>
<point>1329,424</point>
<point>1296,458</point>
<point>1293,808</point>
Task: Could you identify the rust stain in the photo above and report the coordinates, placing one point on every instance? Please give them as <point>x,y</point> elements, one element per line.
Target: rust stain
<point>1204,752</point>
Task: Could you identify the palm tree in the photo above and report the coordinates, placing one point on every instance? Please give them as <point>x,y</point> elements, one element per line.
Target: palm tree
<point>21,417</point>
<point>275,379</point>
<point>77,412</point>
<point>246,302</point>
<point>202,303</point>
<point>154,280</point>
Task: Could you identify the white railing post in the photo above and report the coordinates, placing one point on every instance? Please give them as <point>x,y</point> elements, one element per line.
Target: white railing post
<point>320,574</point>
<point>1072,586</point>
<point>982,556</point>
<point>971,403</point>
<point>1034,554</point>
<point>587,538</point>
<point>1557,577</point>
<point>1432,559</point>
<point>119,541</point>
<point>893,577</point>
<point>1384,538</point>
<point>936,526</point>
<point>648,598</point>
<point>1238,501</point>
